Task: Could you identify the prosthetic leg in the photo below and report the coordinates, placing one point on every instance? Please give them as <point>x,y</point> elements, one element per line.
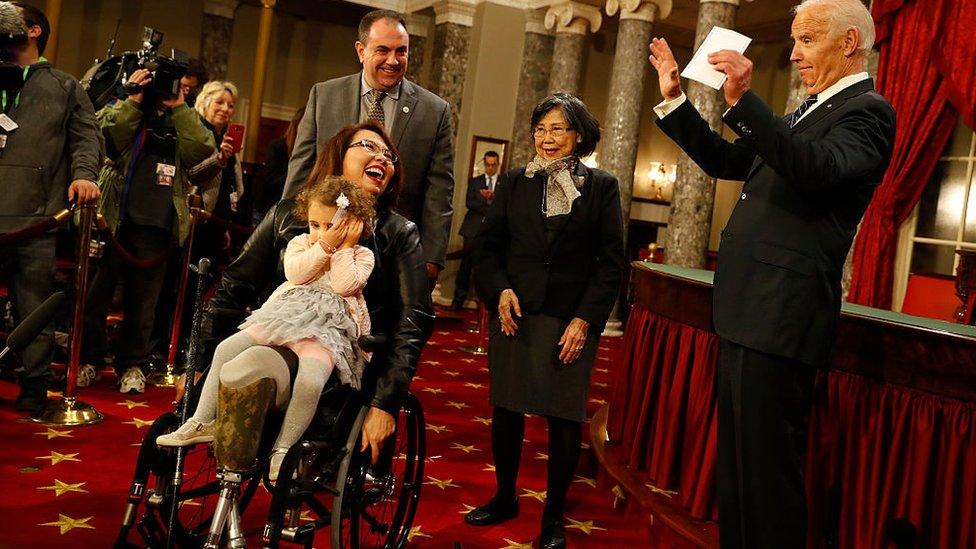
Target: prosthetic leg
<point>241,412</point>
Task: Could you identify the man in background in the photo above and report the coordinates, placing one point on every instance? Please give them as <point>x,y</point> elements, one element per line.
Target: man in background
<point>418,121</point>
<point>192,82</point>
<point>481,190</point>
<point>50,153</point>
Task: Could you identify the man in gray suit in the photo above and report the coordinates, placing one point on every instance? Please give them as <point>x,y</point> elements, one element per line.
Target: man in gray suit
<point>418,121</point>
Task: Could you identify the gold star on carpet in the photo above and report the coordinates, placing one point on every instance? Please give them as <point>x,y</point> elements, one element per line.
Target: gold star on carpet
<point>458,405</point>
<point>587,481</point>
<point>66,523</point>
<point>306,516</point>
<point>432,362</point>
<point>483,369</point>
<point>465,449</point>
<point>51,433</point>
<point>437,428</point>
<point>130,404</point>
<point>62,487</point>
<point>516,545</point>
<point>57,458</point>
<point>586,527</point>
<point>52,394</point>
<point>663,492</point>
<point>603,370</point>
<point>416,532</point>
<point>451,373</point>
<point>474,385</point>
<point>584,446</point>
<point>482,420</point>
<point>540,455</point>
<point>433,390</point>
<point>618,495</point>
<point>600,384</point>
<point>541,495</point>
<point>417,378</point>
<point>468,360</point>
<point>442,484</point>
<point>489,467</point>
<point>448,350</point>
<point>598,401</point>
<point>139,423</point>
<point>467,509</point>
<point>604,358</point>
<point>460,339</point>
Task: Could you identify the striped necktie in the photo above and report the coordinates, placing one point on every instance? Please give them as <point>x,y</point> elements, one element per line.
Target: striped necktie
<point>807,103</point>
<point>375,111</point>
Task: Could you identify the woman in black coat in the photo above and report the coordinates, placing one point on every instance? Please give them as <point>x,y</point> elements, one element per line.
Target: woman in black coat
<point>550,264</point>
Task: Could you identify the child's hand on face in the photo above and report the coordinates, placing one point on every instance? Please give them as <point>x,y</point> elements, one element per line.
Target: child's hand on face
<point>334,236</point>
<point>353,233</point>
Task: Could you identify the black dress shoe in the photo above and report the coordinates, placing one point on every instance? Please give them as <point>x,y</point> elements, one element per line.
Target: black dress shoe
<point>33,395</point>
<point>492,512</point>
<point>553,536</point>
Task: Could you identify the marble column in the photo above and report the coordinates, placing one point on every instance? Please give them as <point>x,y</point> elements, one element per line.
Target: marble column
<point>689,225</point>
<point>532,87</point>
<point>417,26</point>
<point>571,21</point>
<point>215,35</point>
<point>622,123</point>
<point>449,57</point>
<point>256,100</point>
<point>52,10</point>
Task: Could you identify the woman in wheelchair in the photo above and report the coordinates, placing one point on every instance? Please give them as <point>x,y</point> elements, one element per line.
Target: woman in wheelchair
<point>318,313</point>
<point>259,378</point>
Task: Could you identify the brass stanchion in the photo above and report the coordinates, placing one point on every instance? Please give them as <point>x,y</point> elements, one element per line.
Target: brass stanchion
<point>69,410</point>
<point>482,347</point>
<point>168,378</point>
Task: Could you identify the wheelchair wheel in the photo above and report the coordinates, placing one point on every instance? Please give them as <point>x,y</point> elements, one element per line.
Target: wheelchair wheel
<point>152,487</point>
<point>376,504</point>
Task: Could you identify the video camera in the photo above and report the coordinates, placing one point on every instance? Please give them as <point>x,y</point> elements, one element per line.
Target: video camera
<point>107,80</point>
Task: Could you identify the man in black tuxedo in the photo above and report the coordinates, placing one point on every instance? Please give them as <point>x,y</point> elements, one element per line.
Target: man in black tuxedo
<point>481,190</point>
<point>418,121</point>
<point>808,180</point>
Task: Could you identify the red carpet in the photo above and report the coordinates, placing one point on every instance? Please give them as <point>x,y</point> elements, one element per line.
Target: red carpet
<point>66,487</point>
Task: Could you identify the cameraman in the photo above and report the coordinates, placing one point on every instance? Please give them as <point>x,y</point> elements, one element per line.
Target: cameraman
<point>151,141</point>
<point>50,151</point>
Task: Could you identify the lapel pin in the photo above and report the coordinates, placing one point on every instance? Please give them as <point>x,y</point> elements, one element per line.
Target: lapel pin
<point>830,105</point>
<point>406,109</point>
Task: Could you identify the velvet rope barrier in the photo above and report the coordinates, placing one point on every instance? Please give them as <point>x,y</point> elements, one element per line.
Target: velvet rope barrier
<point>208,217</point>
<point>42,227</point>
<point>124,254</point>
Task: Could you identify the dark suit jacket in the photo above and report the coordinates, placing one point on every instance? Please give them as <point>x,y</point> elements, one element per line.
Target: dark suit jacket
<point>778,280</point>
<point>422,132</point>
<point>576,273</point>
<point>477,207</point>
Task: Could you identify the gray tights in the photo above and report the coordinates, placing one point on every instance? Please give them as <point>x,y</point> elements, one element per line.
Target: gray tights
<point>240,361</point>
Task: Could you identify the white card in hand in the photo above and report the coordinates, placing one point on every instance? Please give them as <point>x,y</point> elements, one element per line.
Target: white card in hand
<point>718,39</point>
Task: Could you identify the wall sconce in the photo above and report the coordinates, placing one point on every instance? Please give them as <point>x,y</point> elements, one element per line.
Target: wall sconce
<point>662,178</point>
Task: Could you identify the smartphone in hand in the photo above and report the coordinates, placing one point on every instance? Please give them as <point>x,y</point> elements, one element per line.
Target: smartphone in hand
<point>236,132</point>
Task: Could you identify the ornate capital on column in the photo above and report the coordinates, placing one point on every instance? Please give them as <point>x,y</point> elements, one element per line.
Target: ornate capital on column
<point>733,2</point>
<point>644,10</point>
<point>459,12</point>
<point>417,24</point>
<point>535,21</point>
<point>220,8</point>
<point>573,18</point>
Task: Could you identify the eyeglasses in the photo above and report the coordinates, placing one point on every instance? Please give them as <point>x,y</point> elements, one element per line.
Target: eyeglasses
<point>374,149</point>
<point>556,132</point>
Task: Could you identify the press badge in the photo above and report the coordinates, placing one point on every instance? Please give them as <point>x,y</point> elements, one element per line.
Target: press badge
<point>7,123</point>
<point>165,174</point>
<point>3,140</point>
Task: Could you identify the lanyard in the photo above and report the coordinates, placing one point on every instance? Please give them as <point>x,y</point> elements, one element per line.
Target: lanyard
<point>3,95</point>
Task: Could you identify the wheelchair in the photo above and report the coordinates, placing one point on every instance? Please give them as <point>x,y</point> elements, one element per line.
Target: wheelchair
<point>324,481</point>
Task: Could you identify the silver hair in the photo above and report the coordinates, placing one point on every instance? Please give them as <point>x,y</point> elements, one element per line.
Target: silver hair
<point>211,90</point>
<point>844,15</point>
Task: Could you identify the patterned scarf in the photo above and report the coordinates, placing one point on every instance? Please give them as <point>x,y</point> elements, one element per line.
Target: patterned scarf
<point>562,188</point>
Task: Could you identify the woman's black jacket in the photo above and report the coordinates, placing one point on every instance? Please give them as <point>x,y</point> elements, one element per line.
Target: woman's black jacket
<point>396,295</point>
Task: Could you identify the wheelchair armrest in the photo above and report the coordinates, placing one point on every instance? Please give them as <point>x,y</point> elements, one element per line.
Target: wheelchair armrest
<point>371,343</point>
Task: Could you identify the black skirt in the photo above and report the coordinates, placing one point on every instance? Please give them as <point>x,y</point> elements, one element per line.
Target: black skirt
<point>527,375</point>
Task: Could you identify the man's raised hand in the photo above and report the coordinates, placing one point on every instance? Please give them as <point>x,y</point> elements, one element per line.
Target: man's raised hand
<point>738,69</point>
<point>667,69</point>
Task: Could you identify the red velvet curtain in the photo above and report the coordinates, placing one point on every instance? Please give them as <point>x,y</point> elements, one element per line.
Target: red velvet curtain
<point>663,407</point>
<point>879,452</point>
<point>927,70</point>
